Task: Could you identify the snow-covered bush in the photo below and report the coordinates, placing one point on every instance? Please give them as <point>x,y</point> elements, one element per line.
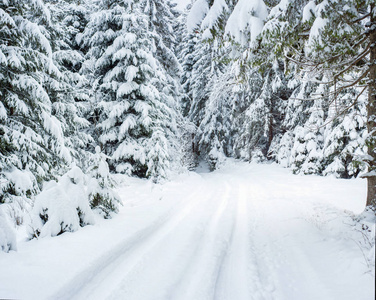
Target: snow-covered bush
<point>216,156</point>
<point>101,196</point>
<point>283,152</point>
<point>16,189</point>
<point>7,233</point>
<point>258,156</point>
<point>62,206</point>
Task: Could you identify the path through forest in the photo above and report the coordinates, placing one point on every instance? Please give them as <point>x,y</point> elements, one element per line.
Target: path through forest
<point>243,232</point>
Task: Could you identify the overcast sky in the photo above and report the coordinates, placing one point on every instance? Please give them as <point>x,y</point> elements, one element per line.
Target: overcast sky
<point>182,3</point>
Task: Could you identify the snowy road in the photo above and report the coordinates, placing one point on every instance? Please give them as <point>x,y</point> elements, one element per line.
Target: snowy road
<point>244,232</point>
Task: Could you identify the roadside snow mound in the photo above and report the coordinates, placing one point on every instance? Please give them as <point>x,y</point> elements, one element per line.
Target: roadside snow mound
<point>62,206</point>
<point>7,233</point>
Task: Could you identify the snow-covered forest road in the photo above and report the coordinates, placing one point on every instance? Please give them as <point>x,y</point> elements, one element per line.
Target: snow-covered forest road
<point>243,232</point>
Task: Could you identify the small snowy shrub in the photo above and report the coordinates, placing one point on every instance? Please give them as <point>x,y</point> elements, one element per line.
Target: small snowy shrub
<point>16,189</point>
<point>258,156</point>
<point>101,196</point>
<point>7,233</point>
<point>216,158</point>
<point>62,206</point>
<point>284,150</point>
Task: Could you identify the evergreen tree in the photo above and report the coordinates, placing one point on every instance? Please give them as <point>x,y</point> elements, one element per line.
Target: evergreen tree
<point>346,133</point>
<point>306,156</point>
<point>133,100</point>
<point>215,131</point>
<point>32,141</point>
<point>69,95</point>
<point>187,60</point>
<point>100,193</point>
<point>162,21</point>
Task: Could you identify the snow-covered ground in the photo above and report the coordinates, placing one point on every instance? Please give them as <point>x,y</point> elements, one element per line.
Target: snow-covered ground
<point>245,231</point>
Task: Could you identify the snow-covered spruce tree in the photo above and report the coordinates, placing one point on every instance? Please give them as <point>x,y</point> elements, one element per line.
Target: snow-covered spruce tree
<point>162,21</point>
<point>216,130</point>
<point>263,117</point>
<point>345,135</point>
<point>69,95</point>
<point>187,60</point>
<point>101,194</point>
<point>134,109</point>
<point>306,154</point>
<point>203,73</point>
<point>247,84</point>
<point>335,38</point>
<point>185,53</point>
<point>201,68</point>
<point>234,26</point>
<point>32,143</point>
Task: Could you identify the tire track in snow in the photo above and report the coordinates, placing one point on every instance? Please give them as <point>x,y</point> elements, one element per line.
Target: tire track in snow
<point>105,264</point>
<point>199,282</point>
<point>169,259</point>
<point>232,282</point>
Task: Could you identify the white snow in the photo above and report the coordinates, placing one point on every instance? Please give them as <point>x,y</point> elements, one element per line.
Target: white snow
<point>182,4</point>
<point>196,14</point>
<point>3,112</point>
<point>317,26</point>
<point>212,17</point>
<point>246,231</point>
<point>7,232</point>
<point>309,11</point>
<point>248,15</point>
<point>23,180</point>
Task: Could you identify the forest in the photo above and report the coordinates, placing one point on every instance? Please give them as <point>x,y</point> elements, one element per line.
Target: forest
<point>91,89</point>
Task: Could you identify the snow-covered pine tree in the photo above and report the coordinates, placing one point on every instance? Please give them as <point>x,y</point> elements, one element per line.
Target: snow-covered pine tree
<point>134,105</point>
<point>32,142</point>
<point>100,186</point>
<point>69,95</point>
<point>345,135</point>
<point>306,155</point>
<point>247,84</point>
<point>204,73</point>
<point>201,64</point>
<point>162,18</point>
<point>234,26</point>
<point>187,60</point>
<point>263,117</point>
<point>216,130</point>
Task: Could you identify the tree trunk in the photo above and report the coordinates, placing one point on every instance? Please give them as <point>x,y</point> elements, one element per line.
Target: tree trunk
<point>371,112</point>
